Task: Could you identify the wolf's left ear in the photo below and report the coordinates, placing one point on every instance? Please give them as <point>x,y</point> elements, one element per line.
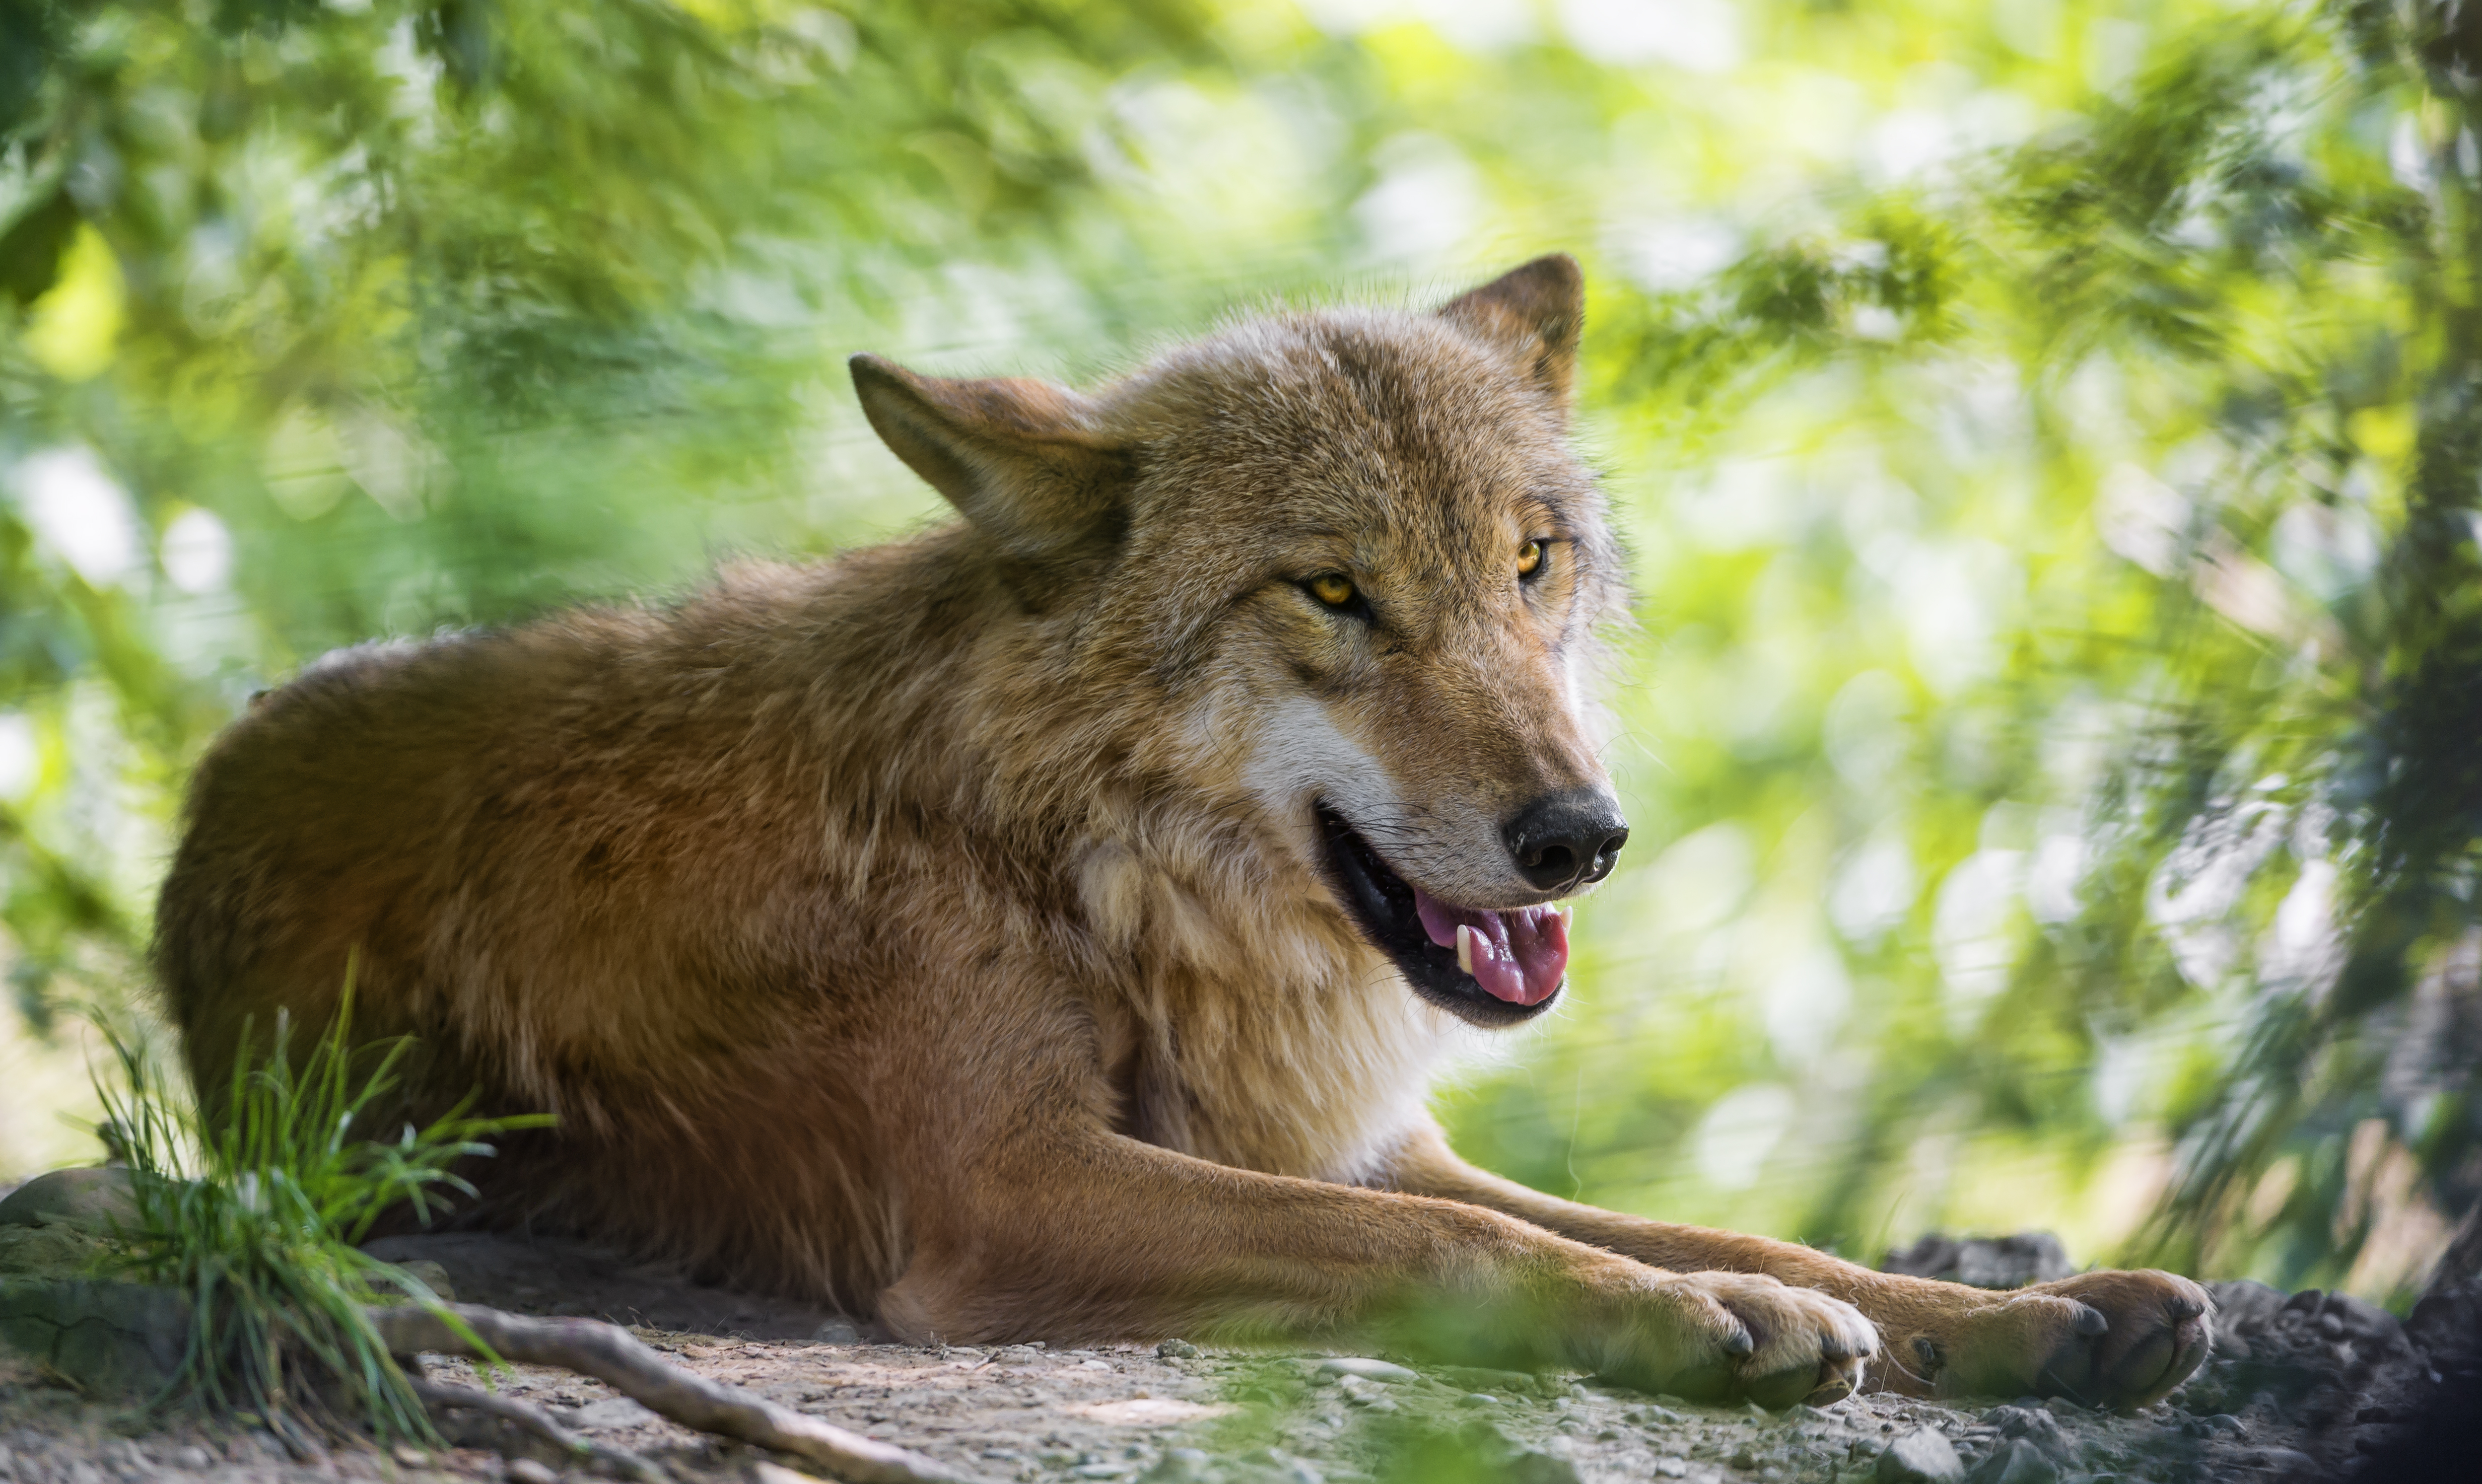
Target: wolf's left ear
<point>1018,458</point>
<point>1535,312</point>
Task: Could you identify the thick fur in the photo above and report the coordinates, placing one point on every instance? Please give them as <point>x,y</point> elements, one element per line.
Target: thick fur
<point>945,930</point>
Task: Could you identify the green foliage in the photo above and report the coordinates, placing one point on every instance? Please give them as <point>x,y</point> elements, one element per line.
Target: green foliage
<point>254,1218</point>
<point>2046,434</point>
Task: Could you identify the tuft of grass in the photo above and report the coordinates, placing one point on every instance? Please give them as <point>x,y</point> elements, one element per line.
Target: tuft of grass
<point>255,1216</point>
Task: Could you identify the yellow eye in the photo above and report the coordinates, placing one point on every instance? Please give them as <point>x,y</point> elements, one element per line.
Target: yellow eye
<point>1528,558</point>
<point>1334,589</point>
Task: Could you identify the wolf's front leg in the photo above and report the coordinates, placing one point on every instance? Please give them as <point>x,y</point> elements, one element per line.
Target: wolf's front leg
<point>1075,1235</point>
<point>2118,1339</point>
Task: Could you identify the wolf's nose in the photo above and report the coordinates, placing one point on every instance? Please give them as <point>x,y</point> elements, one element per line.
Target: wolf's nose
<point>1566,840</point>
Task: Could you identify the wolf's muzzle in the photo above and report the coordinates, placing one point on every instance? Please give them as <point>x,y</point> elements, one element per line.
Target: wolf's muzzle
<point>1563,841</point>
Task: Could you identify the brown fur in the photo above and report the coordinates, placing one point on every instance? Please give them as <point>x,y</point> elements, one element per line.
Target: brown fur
<point>941,930</point>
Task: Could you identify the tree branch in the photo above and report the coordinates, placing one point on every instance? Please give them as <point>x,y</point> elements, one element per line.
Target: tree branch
<point>440,1397</point>
<point>615,1357</point>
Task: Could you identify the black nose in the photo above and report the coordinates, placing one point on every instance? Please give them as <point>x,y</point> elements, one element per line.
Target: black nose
<point>1566,840</point>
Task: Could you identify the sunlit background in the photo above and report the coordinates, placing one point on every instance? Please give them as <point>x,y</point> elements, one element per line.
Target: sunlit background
<point>2041,432</point>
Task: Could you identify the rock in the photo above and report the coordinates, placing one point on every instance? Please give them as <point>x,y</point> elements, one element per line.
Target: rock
<point>1177,1465</point>
<point>1502,1383</point>
<point>1278,1464</point>
<point>2015,1461</point>
<point>1921,1456</point>
<point>2286,1462</point>
<point>2244,1308</point>
<point>431,1275</point>
<point>838,1331</point>
<point>1176,1350</point>
<point>1367,1369</point>
<point>2035,1425</point>
<point>1983,1261</point>
<point>91,1198</point>
<point>525,1471</point>
<point>2364,1322</point>
<point>107,1337</point>
<point>192,1458</point>
<point>1540,1468</point>
<point>612,1412</point>
<point>60,1252</point>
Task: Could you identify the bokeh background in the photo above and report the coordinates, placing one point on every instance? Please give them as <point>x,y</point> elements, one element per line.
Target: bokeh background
<point>2045,432</point>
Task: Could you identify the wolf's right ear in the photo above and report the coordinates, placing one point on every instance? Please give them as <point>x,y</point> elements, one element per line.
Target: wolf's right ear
<point>1534,313</point>
<point>1020,459</point>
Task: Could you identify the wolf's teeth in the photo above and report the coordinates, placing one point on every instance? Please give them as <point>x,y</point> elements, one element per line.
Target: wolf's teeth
<point>1464,948</point>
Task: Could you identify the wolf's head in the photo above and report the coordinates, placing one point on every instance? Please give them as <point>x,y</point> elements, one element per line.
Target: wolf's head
<point>1350,554</point>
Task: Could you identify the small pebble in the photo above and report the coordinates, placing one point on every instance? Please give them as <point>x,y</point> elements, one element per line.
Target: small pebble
<point>1920,1456</point>
<point>192,1457</point>
<point>1178,1466</point>
<point>1176,1350</point>
<point>1367,1369</point>
<point>525,1471</point>
<point>409,1456</point>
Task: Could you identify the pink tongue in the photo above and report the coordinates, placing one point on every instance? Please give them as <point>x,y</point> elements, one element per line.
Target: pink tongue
<point>1519,956</point>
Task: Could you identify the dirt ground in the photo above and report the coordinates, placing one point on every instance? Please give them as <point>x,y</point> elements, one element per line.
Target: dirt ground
<point>1026,1412</point>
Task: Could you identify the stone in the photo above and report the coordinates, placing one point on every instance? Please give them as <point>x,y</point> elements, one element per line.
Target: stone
<point>1537,1467</point>
<point>194,1458</point>
<point>2015,1461</point>
<point>2036,1425</point>
<point>612,1412</point>
<point>838,1331</point>
<point>95,1199</point>
<point>2364,1322</point>
<point>1920,1456</point>
<point>2243,1307</point>
<point>526,1470</point>
<point>107,1337</point>
<point>1176,1350</point>
<point>59,1252</point>
<point>1478,1378</point>
<point>1177,1465</point>
<point>1983,1261</point>
<point>1367,1369</point>
<point>1277,1463</point>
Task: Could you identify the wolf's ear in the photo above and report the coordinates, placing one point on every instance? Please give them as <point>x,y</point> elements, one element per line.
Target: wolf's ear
<point>1535,312</point>
<point>1018,458</point>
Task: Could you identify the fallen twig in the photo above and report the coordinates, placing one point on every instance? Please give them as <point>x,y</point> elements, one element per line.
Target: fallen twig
<point>615,1357</point>
<point>439,1396</point>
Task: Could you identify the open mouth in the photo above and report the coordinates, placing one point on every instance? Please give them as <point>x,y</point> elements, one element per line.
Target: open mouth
<point>1490,967</point>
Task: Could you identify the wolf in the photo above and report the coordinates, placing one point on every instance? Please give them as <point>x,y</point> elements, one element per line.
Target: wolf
<point>1046,926</point>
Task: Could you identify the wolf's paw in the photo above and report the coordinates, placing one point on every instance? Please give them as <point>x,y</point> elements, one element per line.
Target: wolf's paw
<point>1740,1336</point>
<point>2110,1339</point>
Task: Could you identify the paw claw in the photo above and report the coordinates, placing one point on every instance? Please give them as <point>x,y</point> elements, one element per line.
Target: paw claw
<point>2091,1321</point>
<point>1739,1343</point>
